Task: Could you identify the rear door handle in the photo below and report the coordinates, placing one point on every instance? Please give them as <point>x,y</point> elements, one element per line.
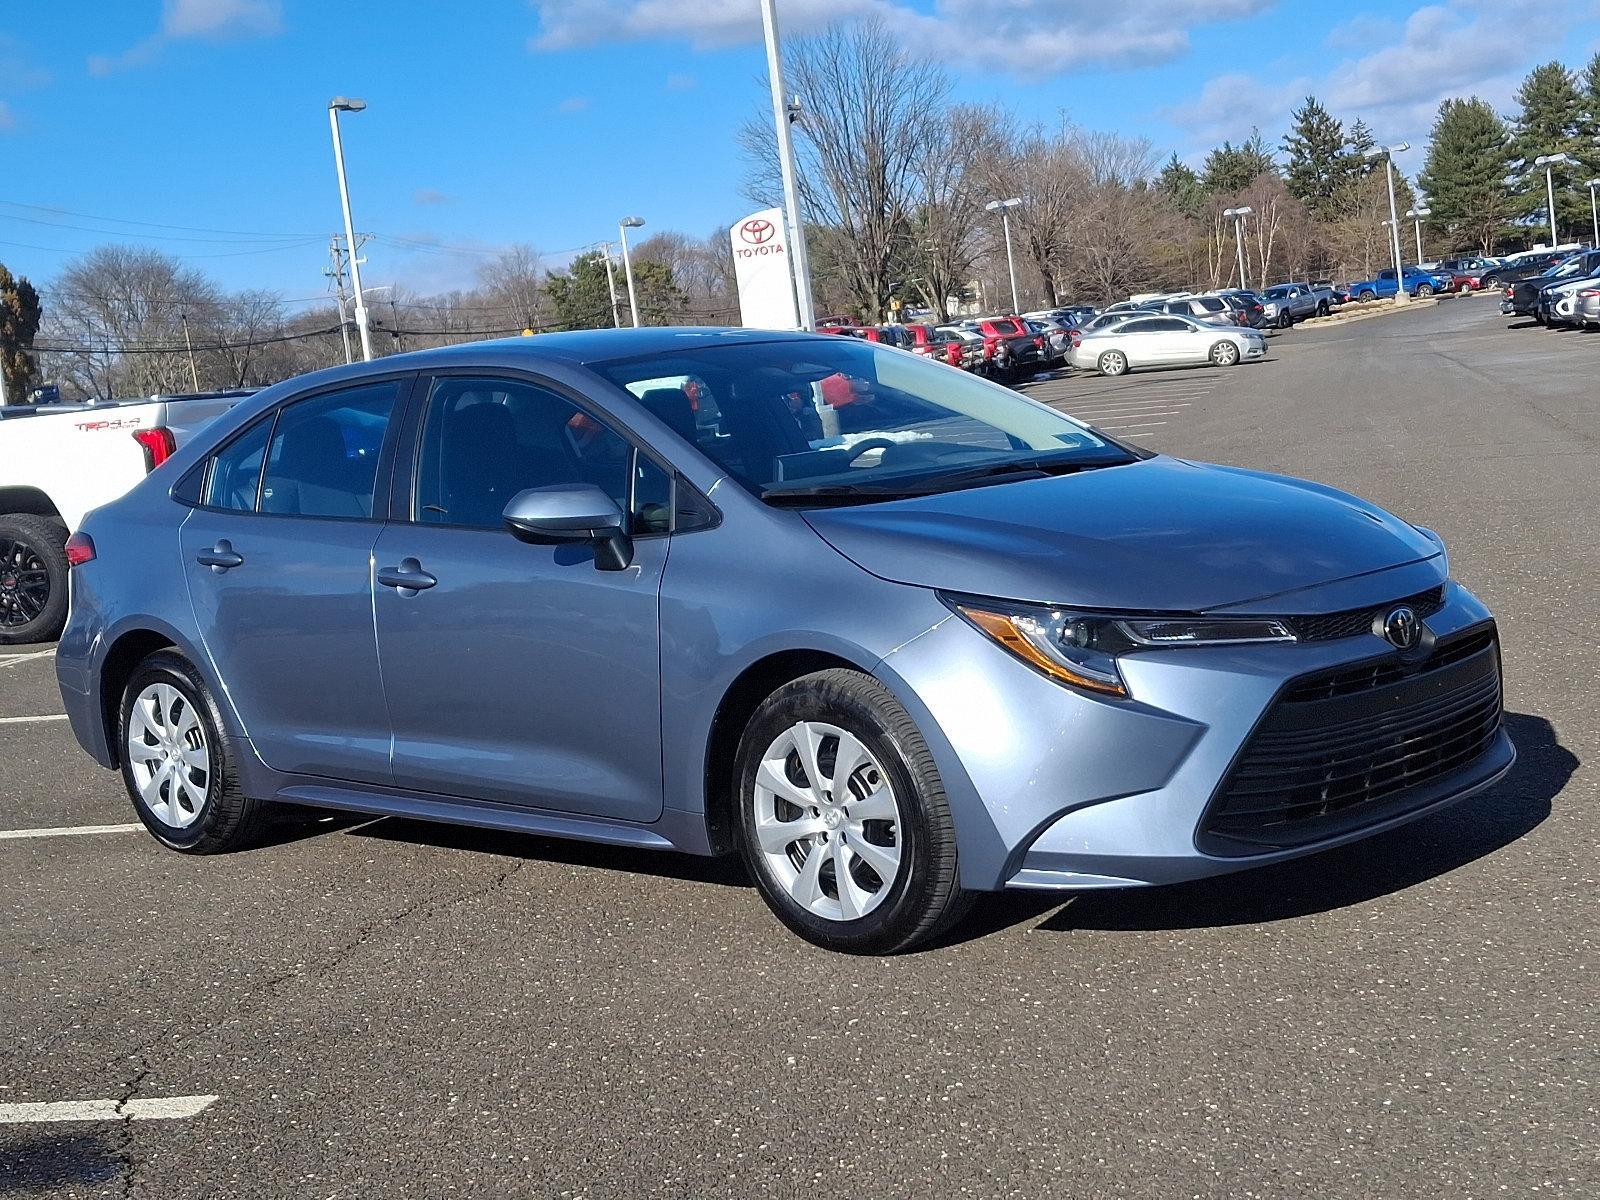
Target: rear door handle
<point>220,557</point>
<point>408,578</point>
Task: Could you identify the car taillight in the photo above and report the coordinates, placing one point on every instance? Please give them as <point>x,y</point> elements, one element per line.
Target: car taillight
<point>158,445</point>
<point>80,549</point>
<point>1510,291</point>
<point>1039,342</point>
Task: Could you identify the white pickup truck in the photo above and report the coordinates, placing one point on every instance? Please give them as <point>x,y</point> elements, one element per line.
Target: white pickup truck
<point>56,463</point>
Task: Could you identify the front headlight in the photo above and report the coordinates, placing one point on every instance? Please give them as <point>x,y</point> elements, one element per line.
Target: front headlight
<point>1081,650</point>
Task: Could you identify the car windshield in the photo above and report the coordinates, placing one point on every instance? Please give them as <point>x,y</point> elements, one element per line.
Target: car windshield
<point>837,421</point>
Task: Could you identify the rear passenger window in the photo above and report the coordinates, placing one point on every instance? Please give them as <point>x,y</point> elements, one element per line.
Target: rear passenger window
<point>236,470</point>
<point>324,456</point>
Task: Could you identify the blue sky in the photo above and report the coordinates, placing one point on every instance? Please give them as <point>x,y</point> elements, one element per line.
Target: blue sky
<point>506,121</point>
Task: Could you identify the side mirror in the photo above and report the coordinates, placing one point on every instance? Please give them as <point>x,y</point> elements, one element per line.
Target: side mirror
<point>572,512</point>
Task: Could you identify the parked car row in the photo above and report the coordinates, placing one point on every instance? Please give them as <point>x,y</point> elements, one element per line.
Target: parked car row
<point>1565,293</point>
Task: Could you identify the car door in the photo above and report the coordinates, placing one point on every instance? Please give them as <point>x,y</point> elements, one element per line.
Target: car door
<point>514,673</point>
<point>1170,339</point>
<point>278,556</point>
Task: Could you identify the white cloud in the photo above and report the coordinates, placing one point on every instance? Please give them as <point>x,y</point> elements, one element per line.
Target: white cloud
<point>681,83</point>
<point>1447,49</point>
<point>219,19</point>
<point>573,104</point>
<point>205,20</point>
<point>1361,31</point>
<point>430,196</point>
<point>1023,37</point>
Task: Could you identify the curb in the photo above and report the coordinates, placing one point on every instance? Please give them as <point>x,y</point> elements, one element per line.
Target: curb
<point>1367,312</point>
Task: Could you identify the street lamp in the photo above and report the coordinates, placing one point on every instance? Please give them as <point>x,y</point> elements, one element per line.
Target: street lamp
<point>1387,153</point>
<point>1594,210</point>
<point>1004,207</point>
<point>783,115</point>
<point>1238,215</point>
<point>1548,162</point>
<point>1416,214</point>
<point>336,106</point>
<point>623,226</point>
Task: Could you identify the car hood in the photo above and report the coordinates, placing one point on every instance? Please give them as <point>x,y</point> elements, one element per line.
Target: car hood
<point>1161,535</point>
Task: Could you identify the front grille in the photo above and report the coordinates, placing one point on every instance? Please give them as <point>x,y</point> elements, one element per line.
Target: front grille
<point>1352,621</point>
<point>1356,745</point>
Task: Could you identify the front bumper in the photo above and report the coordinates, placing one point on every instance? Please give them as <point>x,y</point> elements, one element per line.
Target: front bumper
<point>1051,788</point>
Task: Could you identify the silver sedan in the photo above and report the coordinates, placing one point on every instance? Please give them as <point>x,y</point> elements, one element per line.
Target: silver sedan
<point>1163,341</point>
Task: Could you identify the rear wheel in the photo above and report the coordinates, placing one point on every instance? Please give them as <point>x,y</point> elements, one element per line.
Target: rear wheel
<point>1225,354</point>
<point>33,579</point>
<point>178,763</point>
<point>1113,362</point>
<point>843,819</point>
<point>1365,297</point>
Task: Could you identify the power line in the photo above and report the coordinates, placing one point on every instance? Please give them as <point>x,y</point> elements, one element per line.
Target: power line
<point>160,237</point>
<point>224,254</point>
<point>147,224</point>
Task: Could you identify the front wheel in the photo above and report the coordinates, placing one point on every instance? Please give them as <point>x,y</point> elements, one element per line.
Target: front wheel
<point>1285,320</point>
<point>1424,290</point>
<point>1225,354</point>
<point>178,763</point>
<point>1113,362</point>
<point>1322,308</point>
<point>33,579</point>
<point>843,819</point>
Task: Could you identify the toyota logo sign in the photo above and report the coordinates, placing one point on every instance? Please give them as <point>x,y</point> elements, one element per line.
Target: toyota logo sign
<point>756,231</point>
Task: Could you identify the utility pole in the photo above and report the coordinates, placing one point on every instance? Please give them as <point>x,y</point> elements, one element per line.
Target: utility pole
<point>394,313</point>
<point>335,272</point>
<point>194,375</point>
<point>611,286</point>
<point>336,106</point>
<point>1004,207</point>
<point>1237,216</point>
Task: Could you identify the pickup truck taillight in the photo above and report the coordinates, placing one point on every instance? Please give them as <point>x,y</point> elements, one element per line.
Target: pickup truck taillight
<point>158,445</point>
<point>80,549</point>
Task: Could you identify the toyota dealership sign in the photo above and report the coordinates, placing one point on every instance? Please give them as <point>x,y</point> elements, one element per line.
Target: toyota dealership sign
<point>761,266</point>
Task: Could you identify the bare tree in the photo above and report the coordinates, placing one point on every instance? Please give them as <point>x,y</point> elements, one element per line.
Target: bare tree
<point>515,282</point>
<point>867,102</point>
<point>945,225</point>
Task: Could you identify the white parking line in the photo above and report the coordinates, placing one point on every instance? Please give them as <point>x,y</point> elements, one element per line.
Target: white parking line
<point>11,660</point>
<point>1146,425</point>
<point>30,720</point>
<point>65,831</point>
<point>167,1108</point>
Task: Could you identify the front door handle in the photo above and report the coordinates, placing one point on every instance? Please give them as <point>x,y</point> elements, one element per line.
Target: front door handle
<point>408,578</point>
<point>221,557</point>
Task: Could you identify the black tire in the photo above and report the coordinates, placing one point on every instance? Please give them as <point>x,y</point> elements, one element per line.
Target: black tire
<point>1366,297</point>
<point>1112,363</point>
<point>227,819</point>
<point>1322,308</point>
<point>1424,290</point>
<point>925,898</point>
<point>1224,354</point>
<point>33,579</point>
<point>1285,320</point>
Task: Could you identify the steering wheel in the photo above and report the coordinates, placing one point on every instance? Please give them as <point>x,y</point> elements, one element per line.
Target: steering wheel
<point>866,446</point>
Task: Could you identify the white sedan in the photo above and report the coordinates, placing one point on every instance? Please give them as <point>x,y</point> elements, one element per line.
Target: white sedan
<point>1164,341</point>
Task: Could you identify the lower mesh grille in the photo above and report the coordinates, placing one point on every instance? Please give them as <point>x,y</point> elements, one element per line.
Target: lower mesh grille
<point>1351,746</point>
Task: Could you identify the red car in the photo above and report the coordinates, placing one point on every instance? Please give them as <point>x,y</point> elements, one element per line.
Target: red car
<point>1011,345</point>
<point>936,344</point>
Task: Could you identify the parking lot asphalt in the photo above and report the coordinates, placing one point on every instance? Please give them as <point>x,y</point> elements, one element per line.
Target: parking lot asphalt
<point>390,1008</point>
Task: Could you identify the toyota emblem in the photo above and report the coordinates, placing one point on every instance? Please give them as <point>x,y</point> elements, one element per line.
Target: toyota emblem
<point>756,231</point>
<point>1401,628</point>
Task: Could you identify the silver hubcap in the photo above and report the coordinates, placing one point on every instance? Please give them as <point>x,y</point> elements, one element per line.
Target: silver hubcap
<point>169,755</point>
<point>826,821</point>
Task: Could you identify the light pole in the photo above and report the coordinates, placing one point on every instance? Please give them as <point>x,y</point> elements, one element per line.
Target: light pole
<point>1594,211</point>
<point>1387,153</point>
<point>623,226</point>
<point>1416,214</point>
<point>1238,215</point>
<point>1548,162</point>
<point>1004,207</point>
<point>336,106</point>
<point>783,114</point>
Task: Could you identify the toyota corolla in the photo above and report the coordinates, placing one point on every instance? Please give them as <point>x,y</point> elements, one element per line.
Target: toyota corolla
<point>894,634</point>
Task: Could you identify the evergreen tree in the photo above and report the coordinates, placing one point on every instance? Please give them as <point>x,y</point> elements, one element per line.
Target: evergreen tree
<point>1179,183</point>
<point>1318,163</point>
<point>1231,168</point>
<point>581,300</point>
<point>1469,156</point>
<point>1551,121</point>
<point>19,322</point>
<point>1361,142</point>
<point>1591,118</point>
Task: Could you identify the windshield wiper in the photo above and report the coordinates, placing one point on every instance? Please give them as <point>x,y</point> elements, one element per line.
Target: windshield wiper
<point>1009,471</point>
